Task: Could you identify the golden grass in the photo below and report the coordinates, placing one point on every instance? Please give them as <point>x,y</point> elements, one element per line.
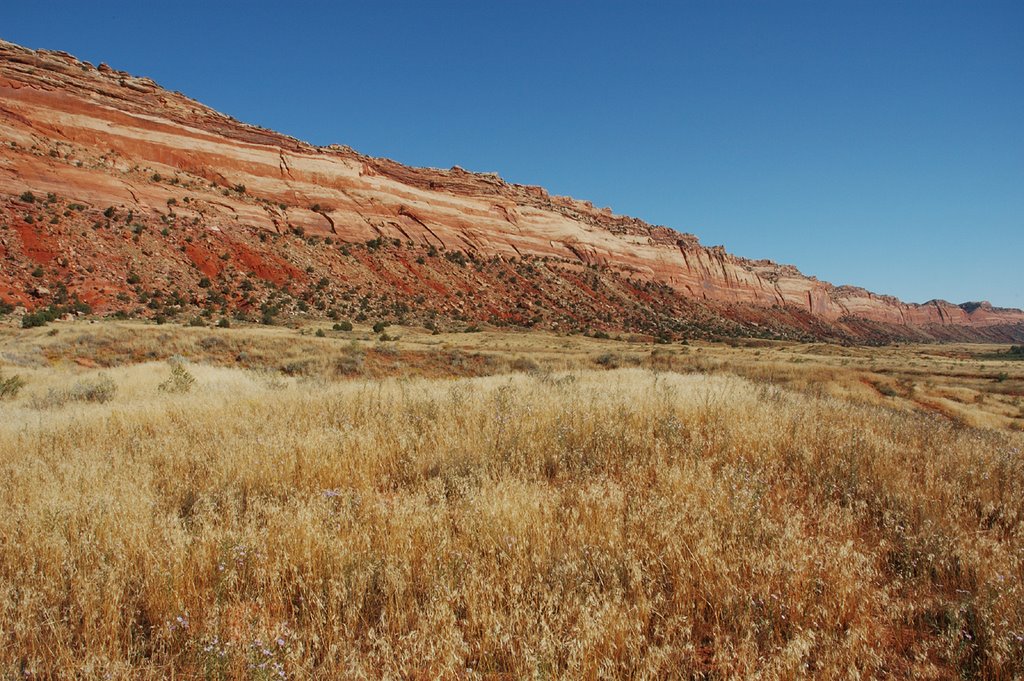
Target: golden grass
<point>561,524</point>
<point>975,385</point>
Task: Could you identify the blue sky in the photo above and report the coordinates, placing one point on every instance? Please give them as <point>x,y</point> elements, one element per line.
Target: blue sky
<point>871,143</point>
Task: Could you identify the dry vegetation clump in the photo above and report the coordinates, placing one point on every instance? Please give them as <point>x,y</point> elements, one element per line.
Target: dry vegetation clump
<point>10,386</point>
<point>181,379</point>
<point>590,524</point>
<point>99,389</point>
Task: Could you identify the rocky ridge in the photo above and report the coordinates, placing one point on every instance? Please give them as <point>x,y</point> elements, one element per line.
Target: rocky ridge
<point>119,193</point>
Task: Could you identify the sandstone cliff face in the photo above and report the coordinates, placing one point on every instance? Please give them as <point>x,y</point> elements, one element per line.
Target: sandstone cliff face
<point>100,140</point>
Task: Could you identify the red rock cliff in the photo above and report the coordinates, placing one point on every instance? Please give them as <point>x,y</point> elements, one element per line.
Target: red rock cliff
<point>101,139</point>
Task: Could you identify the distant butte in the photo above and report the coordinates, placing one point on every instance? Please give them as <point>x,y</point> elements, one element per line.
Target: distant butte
<point>131,198</point>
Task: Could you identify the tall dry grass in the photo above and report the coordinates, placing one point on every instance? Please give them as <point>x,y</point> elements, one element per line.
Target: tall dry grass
<point>595,524</point>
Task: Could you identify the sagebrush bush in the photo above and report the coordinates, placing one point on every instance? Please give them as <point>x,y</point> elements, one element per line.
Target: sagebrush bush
<point>100,389</point>
<point>180,380</point>
<point>10,386</point>
<point>524,364</point>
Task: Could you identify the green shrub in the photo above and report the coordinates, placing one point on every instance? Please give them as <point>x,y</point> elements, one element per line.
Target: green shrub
<point>379,327</point>
<point>40,317</point>
<point>343,326</point>
<point>180,380</point>
<point>457,257</point>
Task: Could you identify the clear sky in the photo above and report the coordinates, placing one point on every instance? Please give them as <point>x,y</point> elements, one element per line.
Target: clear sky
<point>871,143</point>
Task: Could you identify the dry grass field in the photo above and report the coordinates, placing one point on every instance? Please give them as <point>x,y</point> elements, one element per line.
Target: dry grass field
<point>270,503</point>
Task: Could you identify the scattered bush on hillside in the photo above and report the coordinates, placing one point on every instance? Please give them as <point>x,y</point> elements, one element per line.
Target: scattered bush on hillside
<point>301,367</point>
<point>40,317</point>
<point>457,257</point>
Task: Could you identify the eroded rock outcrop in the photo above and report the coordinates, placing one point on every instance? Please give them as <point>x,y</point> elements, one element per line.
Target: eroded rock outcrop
<point>107,146</point>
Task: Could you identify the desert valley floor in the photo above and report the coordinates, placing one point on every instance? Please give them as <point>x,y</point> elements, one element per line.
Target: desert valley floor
<point>306,502</point>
